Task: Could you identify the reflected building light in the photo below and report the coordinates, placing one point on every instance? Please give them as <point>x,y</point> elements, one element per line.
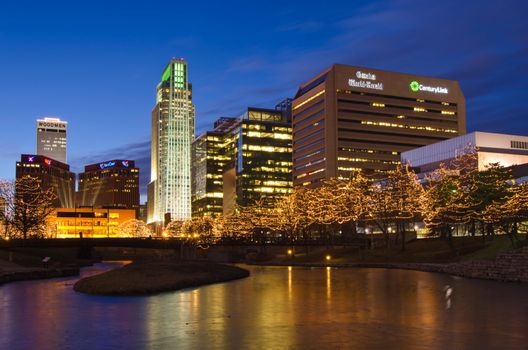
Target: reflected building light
<point>290,283</point>
<point>328,285</point>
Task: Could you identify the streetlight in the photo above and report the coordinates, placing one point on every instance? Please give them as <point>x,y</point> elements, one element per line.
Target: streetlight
<point>328,257</point>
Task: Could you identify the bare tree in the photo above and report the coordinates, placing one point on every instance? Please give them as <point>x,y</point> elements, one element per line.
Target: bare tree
<point>7,197</point>
<point>291,214</point>
<point>408,197</point>
<point>33,204</point>
<point>446,202</point>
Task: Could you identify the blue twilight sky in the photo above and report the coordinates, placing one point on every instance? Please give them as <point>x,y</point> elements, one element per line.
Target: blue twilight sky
<point>96,63</point>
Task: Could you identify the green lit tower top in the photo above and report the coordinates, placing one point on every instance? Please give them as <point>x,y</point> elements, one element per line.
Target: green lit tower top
<point>169,193</point>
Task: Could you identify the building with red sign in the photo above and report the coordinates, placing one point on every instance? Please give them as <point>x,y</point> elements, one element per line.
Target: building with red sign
<point>51,173</point>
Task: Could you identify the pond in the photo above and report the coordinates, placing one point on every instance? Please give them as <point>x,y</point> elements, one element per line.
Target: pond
<point>275,308</point>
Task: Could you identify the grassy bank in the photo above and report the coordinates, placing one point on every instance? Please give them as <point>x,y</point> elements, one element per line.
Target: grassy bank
<point>22,264</point>
<point>142,278</point>
<point>434,250</point>
<point>32,256</point>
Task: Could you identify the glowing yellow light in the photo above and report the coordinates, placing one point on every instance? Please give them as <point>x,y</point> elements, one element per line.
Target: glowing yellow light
<point>328,257</point>
<point>308,100</point>
<point>290,252</point>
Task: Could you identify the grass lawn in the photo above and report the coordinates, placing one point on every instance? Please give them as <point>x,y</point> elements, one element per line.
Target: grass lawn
<point>32,257</point>
<point>430,250</point>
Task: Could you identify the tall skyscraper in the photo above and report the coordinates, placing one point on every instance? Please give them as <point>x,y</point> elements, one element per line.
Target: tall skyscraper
<point>169,192</point>
<point>51,138</point>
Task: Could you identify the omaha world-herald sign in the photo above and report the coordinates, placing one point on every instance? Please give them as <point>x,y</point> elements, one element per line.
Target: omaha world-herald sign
<point>368,80</point>
<point>365,80</point>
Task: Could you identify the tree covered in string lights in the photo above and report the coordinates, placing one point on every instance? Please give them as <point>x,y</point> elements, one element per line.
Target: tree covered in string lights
<point>291,214</point>
<point>489,190</point>
<point>338,202</point>
<point>407,195</point>
<point>7,197</point>
<point>134,228</point>
<point>32,206</point>
<point>446,201</point>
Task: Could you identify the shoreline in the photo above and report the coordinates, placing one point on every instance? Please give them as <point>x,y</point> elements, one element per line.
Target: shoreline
<point>476,269</point>
<point>27,273</point>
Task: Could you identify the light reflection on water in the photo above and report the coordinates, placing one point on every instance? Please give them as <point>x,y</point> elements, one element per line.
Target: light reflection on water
<point>275,308</point>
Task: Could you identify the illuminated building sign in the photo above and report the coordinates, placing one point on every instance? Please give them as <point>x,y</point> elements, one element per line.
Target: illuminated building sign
<point>114,163</point>
<point>31,159</point>
<point>47,161</point>
<point>107,165</point>
<point>365,80</point>
<point>367,76</point>
<point>51,125</point>
<point>416,86</point>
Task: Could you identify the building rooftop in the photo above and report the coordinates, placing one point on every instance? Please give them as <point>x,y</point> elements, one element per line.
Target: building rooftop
<point>451,148</point>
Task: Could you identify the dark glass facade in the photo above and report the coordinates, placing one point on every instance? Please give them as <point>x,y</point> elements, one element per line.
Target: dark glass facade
<point>243,161</point>
<point>207,169</point>
<point>109,184</point>
<point>51,173</point>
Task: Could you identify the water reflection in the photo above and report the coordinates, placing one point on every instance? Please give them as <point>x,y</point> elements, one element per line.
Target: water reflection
<point>274,308</point>
<point>328,285</point>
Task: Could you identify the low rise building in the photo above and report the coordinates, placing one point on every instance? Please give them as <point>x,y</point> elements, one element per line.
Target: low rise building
<point>507,150</point>
<point>88,222</point>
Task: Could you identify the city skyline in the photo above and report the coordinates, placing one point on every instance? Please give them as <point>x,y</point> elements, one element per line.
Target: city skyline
<point>264,66</point>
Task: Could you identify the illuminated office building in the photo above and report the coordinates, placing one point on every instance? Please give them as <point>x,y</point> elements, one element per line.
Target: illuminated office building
<point>208,162</point>
<point>259,149</point>
<point>110,184</point>
<point>248,160</point>
<point>51,173</point>
<point>51,138</point>
<point>354,118</point>
<point>169,192</point>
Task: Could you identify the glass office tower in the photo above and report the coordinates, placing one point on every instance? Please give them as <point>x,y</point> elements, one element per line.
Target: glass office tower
<point>243,161</point>
<point>169,192</point>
